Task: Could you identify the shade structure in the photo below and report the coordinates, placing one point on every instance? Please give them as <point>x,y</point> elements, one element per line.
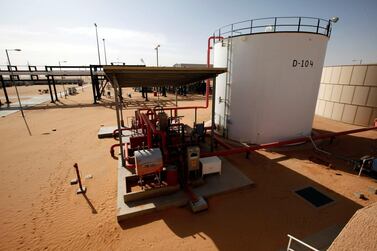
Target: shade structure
<point>159,76</point>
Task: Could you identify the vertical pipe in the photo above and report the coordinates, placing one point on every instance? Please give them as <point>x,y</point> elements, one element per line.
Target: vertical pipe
<point>328,28</point>
<point>116,86</point>
<point>93,88</point>
<point>251,26</point>
<point>4,89</point>
<point>54,85</point>
<point>299,24</point>
<point>196,111</point>
<point>97,84</point>
<point>213,113</point>
<point>49,85</point>
<point>318,25</point>
<point>78,177</point>
<point>121,106</point>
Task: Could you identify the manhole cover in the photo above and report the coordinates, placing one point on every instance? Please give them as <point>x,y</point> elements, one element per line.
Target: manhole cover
<point>315,197</point>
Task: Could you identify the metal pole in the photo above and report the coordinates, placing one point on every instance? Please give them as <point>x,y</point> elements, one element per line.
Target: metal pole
<point>82,189</point>
<point>121,107</point>
<point>213,113</point>
<point>49,85</point>
<point>4,89</point>
<point>65,94</point>
<point>18,95</point>
<point>158,46</point>
<point>54,85</point>
<point>104,49</point>
<point>99,55</point>
<point>115,82</point>
<point>93,87</point>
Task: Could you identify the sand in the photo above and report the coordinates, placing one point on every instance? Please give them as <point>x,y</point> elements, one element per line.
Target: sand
<point>40,209</point>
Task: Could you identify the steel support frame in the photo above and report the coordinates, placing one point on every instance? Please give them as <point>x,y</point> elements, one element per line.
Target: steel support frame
<point>49,86</point>
<point>4,89</point>
<point>118,111</point>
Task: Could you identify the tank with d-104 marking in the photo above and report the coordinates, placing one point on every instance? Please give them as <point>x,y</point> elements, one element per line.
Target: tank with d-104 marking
<point>274,69</point>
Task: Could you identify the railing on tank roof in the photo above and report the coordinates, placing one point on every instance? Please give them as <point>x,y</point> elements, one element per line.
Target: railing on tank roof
<point>276,24</point>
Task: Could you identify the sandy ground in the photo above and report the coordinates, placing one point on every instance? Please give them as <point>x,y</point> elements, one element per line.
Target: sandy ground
<point>40,210</point>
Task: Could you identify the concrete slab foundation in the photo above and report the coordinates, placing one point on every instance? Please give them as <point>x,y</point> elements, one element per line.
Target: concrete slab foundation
<point>231,179</point>
<point>106,131</point>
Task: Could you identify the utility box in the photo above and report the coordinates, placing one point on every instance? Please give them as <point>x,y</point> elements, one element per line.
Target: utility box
<point>148,161</point>
<point>193,155</point>
<point>210,165</point>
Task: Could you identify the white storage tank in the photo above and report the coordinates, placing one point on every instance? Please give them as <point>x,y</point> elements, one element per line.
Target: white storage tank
<point>274,72</point>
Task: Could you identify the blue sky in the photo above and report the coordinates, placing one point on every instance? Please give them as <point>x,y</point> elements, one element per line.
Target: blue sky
<point>49,31</point>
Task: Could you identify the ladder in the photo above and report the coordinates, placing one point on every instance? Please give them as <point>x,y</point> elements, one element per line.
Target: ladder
<point>228,81</point>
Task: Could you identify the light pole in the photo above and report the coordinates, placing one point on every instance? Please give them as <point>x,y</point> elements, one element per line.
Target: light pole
<point>60,67</point>
<point>104,49</point>
<point>158,46</point>
<point>99,56</point>
<point>15,86</point>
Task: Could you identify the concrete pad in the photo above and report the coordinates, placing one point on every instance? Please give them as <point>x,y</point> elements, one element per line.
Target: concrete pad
<point>106,131</point>
<point>30,101</point>
<point>231,179</point>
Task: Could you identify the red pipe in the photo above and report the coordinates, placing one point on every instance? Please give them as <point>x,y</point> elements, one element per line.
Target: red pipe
<point>222,143</point>
<point>286,142</point>
<point>116,132</point>
<point>209,47</point>
<point>128,165</point>
<point>112,151</point>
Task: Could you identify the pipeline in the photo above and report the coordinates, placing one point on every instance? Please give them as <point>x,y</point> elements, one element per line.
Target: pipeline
<point>221,142</point>
<point>112,151</point>
<point>127,158</point>
<point>209,47</point>
<point>286,142</point>
<point>128,165</point>
<point>116,132</point>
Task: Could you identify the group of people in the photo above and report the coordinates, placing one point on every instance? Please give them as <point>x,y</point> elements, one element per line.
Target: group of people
<point>181,90</point>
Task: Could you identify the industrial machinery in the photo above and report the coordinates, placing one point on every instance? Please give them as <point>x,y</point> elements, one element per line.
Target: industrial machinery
<point>161,151</point>
<point>148,161</point>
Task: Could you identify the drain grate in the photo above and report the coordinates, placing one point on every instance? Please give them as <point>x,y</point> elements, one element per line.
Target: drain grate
<point>315,197</point>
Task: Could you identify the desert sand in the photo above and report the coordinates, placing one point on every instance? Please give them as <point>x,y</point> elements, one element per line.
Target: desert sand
<point>40,209</point>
